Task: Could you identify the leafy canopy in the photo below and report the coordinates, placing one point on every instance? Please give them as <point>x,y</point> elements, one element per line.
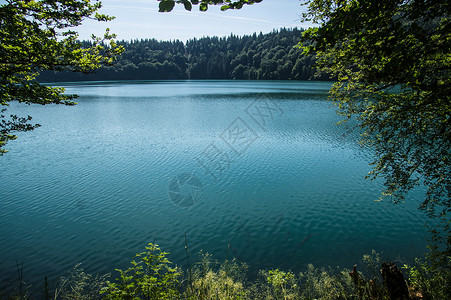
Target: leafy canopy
<point>392,59</point>
<point>39,35</point>
<point>168,5</point>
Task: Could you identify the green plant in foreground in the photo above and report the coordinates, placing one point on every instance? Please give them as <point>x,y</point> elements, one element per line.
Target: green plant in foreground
<point>283,283</point>
<point>430,277</point>
<point>224,282</point>
<point>217,285</point>
<point>152,277</point>
<point>79,285</point>
<point>322,283</point>
<point>149,277</point>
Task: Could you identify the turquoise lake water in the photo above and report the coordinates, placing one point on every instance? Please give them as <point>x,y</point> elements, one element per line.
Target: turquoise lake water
<point>256,170</point>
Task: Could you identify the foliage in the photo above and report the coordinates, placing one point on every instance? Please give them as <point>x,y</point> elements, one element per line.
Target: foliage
<point>150,277</point>
<point>168,5</point>
<point>258,56</point>
<point>80,285</point>
<point>393,64</point>
<point>431,277</point>
<point>38,35</point>
<point>216,285</point>
<point>230,281</point>
<point>14,123</point>
<point>321,283</point>
<point>208,282</point>
<point>372,264</point>
<point>314,283</point>
<point>283,283</point>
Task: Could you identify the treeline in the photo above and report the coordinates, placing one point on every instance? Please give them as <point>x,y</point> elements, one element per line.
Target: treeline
<point>271,56</point>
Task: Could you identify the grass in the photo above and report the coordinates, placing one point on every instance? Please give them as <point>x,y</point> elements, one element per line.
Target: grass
<point>152,276</point>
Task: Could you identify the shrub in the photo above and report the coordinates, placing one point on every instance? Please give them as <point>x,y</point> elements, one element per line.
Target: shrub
<point>430,278</point>
<point>149,277</point>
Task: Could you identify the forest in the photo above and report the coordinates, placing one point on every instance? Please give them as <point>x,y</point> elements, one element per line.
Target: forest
<point>271,56</point>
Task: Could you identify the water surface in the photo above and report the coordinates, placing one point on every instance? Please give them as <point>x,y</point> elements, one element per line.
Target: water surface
<point>254,170</point>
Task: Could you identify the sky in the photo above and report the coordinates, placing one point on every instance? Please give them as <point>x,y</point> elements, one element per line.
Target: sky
<point>140,19</point>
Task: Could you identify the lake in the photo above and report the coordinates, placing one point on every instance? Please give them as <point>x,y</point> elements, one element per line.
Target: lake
<point>256,170</point>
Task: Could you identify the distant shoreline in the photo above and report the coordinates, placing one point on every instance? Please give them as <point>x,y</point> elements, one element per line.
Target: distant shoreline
<point>272,56</point>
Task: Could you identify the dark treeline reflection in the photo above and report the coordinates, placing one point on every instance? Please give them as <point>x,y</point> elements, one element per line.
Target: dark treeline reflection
<point>272,56</point>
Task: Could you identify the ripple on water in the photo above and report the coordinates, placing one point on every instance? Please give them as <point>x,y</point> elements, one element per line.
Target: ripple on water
<point>91,185</point>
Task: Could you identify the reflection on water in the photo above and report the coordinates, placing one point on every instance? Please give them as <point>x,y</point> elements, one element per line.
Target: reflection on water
<point>254,170</point>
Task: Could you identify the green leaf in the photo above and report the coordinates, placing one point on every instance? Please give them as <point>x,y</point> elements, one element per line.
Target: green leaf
<point>166,5</point>
<point>188,5</point>
<point>203,7</point>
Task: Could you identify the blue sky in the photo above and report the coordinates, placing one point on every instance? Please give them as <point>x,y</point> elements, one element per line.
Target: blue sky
<point>136,19</point>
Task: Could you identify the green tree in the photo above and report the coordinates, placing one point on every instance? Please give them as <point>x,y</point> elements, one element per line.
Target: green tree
<point>204,58</point>
<point>392,59</point>
<point>39,35</point>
